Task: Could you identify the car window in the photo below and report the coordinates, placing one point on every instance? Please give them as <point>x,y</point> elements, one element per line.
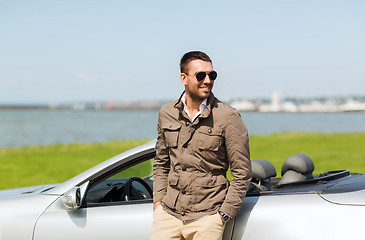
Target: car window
<point>143,170</point>
<point>129,185</point>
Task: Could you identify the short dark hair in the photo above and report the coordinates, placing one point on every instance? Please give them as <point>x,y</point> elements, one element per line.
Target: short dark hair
<point>190,56</point>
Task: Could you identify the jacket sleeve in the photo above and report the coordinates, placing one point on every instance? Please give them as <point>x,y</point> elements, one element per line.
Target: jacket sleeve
<point>161,165</point>
<point>238,153</point>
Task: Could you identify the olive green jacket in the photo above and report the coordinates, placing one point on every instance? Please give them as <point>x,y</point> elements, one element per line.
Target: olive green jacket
<point>192,160</point>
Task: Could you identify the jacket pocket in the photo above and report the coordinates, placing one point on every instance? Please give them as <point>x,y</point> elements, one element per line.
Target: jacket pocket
<point>171,133</point>
<point>210,193</point>
<point>172,192</point>
<point>210,138</point>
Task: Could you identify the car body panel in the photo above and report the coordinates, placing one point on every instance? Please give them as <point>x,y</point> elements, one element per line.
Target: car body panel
<point>304,216</point>
<point>349,198</point>
<point>127,221</point>
<point>18,215</point>
<point>349,191</point>
<point>24,191</point>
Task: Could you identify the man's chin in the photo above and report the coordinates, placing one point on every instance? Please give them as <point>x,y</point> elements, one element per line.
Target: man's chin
<point>205,94</point>
<point>200,97</point>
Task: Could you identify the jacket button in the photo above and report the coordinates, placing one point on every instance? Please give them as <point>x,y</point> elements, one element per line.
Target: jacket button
<point>183,191</point>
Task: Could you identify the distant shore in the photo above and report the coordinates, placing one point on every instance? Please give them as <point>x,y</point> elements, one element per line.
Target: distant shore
<point>275,104</point>
<point>87,106</point>
<point>23,107</point>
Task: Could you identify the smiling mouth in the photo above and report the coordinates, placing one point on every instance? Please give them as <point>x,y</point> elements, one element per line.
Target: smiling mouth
<point>205,88</point>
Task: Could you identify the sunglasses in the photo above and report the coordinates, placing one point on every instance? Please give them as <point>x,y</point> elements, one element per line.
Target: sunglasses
<point>200,76</point>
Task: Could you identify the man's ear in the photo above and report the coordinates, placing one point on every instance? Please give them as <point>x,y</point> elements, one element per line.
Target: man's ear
<point>184,78</point>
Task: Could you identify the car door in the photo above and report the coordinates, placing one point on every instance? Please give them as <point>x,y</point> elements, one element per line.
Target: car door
<point>129,221</point>
<point>108,212</point>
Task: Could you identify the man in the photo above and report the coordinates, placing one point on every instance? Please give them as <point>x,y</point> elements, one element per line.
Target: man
<point>199,137</point>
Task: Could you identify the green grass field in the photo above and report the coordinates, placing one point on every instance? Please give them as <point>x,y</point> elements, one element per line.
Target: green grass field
<point>56,163</point>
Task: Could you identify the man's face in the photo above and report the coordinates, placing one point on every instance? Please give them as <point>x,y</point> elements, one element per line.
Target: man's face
<point>197,90</point>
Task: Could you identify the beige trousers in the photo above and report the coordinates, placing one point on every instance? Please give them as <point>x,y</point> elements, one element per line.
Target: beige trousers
<point>166,227</point>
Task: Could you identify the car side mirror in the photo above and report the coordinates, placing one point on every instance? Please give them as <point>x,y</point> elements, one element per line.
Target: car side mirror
<point>72,199</point>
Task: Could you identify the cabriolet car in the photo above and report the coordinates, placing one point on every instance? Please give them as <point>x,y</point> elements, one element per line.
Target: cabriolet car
<point>113,200</point>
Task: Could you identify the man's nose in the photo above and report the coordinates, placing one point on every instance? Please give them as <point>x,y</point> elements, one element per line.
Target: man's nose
<point>207,79</point>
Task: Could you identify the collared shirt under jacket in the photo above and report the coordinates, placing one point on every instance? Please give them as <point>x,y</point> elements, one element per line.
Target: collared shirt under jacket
<point>192,159</point>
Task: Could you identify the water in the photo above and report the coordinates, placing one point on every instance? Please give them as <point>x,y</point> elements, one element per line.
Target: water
<point>266,123</point>
<point>43,127</point>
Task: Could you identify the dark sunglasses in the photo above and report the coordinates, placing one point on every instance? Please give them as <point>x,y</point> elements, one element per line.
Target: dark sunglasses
<point>200,76</point>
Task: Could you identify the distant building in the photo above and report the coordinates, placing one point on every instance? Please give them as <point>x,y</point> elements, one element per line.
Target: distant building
<point>317,106</point>
<point>244,105</point>
<point>352,106</point>
<point>274,106</point>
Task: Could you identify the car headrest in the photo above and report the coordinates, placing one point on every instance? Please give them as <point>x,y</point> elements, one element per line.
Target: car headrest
<point>300,163</point>
<point>262,169</point>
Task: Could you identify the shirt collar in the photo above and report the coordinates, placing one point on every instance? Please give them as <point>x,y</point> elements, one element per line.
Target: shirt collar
<point>202,107</point>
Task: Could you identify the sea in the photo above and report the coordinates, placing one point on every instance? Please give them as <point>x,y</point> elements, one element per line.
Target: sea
<point>44,127</point>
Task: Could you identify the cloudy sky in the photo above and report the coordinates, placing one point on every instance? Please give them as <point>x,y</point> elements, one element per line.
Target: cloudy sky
<point>65,51</point>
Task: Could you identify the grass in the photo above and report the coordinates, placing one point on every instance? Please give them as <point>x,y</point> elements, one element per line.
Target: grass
<point>28,166</point>
<point>56,163</point>
<point>328,151</point>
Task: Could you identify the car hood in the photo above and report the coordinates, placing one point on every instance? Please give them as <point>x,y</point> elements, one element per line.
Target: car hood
<point>25,191</point>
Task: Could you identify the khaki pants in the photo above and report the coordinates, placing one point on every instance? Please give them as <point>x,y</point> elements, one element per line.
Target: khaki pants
<point>166,227</point>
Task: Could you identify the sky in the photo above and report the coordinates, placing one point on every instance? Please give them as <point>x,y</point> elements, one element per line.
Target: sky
<point>55,52</point>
